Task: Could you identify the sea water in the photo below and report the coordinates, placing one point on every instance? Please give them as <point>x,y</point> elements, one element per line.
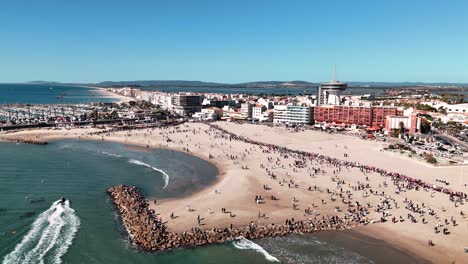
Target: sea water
<point>35,228</point>
<point>49,94</point>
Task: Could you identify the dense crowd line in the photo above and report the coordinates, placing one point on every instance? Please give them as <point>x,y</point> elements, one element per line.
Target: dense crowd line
<point>410,183</point>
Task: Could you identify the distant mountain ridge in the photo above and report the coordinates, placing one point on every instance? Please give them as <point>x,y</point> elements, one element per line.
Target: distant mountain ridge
<point>202,84</point>
<point>257,84</point>
<point>159,83</point>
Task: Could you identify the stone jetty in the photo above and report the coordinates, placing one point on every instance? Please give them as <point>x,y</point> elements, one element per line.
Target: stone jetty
<point>149,232</point>
<point>145,229</point>
<point>28,141</point>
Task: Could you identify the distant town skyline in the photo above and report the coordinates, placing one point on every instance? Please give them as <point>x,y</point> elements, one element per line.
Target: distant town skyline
<point>234,42</point>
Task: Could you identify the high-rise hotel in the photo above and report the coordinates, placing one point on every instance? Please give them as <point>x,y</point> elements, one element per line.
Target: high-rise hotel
<point>330,109</point>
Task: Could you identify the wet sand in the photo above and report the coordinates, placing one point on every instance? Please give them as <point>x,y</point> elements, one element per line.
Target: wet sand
<point>138,148</point>
<point>375,249</point>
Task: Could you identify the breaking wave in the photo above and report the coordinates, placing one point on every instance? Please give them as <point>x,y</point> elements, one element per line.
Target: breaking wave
<point>243,243</point>
<point>111,154</point>
<point>49,238</point>
<point>166,177</point>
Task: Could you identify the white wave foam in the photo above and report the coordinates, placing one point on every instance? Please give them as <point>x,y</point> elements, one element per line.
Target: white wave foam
<point>49,238</point>
<point>111,154</point>
<point>243,243</point>
<point>166,177</point>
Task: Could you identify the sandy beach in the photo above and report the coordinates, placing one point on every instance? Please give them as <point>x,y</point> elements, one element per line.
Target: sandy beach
<point>108,94</point>
<point>303,189</point>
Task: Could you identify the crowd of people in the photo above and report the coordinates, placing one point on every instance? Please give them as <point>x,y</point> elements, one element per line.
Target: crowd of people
<point>410,183</point>
<point>148,232</point>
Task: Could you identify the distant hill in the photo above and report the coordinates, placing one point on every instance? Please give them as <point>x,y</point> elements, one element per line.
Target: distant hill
<point>157,83</point>
<point>277,84</point>
<point>257,84</point>
<point>41,82</point>
<point>404,84</point>
<point>266,84</point>
<point>160,83</point>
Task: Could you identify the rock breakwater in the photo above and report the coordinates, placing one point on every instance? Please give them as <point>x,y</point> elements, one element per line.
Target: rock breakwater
<point>28,141</point>
<point>150,233</point>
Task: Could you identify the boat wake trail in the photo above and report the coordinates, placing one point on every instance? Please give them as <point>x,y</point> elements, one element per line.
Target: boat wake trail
<point>166,177</point>
<point>49,238</point>
<point>243,243</point>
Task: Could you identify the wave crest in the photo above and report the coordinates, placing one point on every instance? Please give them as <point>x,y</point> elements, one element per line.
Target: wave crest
<point>140,163</point>
<point>111,154</point>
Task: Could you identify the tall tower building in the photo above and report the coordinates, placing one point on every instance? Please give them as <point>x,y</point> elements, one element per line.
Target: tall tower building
<point>329,93</point>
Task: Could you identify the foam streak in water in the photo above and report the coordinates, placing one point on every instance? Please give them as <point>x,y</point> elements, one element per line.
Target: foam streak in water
<point>166,177</point>
<point>111,154</point>
<point>243,243</point>
<point>49,238</point>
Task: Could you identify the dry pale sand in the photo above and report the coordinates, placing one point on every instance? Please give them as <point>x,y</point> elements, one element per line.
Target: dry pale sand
<point>236,187</point>
<point>108,94</point>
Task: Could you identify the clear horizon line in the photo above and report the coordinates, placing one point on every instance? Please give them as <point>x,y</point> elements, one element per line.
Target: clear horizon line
<point>236,83</point>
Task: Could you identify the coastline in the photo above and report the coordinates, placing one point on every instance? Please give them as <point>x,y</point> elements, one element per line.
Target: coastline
<point>379,250</point>
<point>362,231</point>
<point>143,148</point>
<point>109,94</point>
<point>224,181</point>
<point>406,244</point>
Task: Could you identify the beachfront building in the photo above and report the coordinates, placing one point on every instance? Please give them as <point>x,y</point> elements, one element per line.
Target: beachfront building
<point>380,113</point>
<point>451,108</point>
<point>268,115</point>
<point>163,100</point>
<point>265,102</point>
<point>453,117</point>
<point>374,116</point>
<point>232,114</point>
<point>129,92</point>
<point>144,96</point>
<point>215,112</point>
<point>410,123</point>
<point>246,110</point>
<point>292,114</point>
<point>330,93</point>
<point>220,103</point>
<point>257,112</point>
<point>186,104</point>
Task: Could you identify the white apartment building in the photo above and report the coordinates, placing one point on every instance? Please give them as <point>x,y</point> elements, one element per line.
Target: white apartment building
<point>215,112</point>
<point>292,114</point>
<point>246,110</point>
<point>265,102</point>
<point>257,112</point>
<point>451,108</point>
<point>162,99</point>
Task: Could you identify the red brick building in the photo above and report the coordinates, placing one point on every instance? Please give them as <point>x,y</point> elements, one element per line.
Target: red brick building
<point>374,116</point>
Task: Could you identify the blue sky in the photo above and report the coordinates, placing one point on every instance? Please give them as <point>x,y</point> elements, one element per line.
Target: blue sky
<point>233,41</point>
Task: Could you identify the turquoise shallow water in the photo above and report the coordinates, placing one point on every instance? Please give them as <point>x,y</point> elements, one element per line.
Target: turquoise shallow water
<point>47,94</point>
<point>81,171</point>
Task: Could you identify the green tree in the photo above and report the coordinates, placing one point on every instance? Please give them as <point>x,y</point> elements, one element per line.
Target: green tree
<point>425,126</point>
<point>431,159</point>
<point>114,115</point>
<point>442,110</point>
<point>94,115</point>
<point>395,133</point>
